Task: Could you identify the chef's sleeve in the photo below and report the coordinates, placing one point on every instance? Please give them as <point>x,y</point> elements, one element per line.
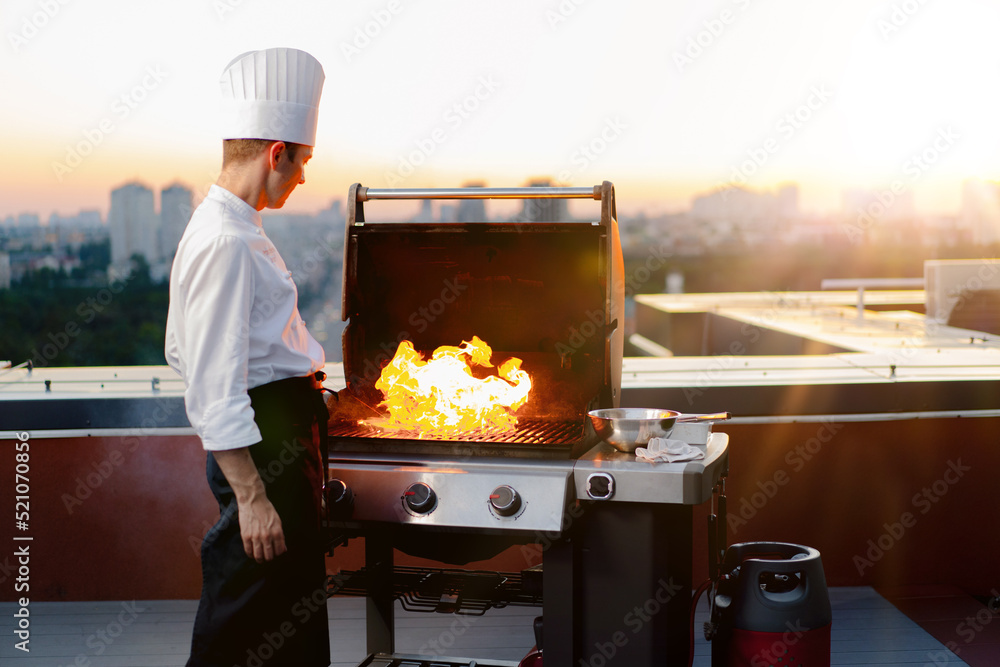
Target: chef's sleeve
<point>219,286</point>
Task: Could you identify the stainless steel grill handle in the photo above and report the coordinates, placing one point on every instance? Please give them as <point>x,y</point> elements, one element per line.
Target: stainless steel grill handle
<point>368,194</point>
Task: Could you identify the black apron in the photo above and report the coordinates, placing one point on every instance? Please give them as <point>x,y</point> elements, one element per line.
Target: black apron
<point>270,614</point>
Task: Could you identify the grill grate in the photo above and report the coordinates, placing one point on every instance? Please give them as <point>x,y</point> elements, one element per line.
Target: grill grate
<point>529,432</point>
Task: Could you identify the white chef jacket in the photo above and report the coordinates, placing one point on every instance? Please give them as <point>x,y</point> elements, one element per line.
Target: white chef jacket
<point>233,322</point>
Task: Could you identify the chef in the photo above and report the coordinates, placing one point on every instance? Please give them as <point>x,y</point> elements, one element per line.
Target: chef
<point>252,377</point>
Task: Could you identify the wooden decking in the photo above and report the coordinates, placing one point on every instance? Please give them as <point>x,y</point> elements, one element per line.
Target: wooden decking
<point>867,630</point>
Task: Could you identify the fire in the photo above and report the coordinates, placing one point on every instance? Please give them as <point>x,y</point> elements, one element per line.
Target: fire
<point>442,395</point>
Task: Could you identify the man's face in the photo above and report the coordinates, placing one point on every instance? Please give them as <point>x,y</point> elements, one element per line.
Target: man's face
<point>287,174</point>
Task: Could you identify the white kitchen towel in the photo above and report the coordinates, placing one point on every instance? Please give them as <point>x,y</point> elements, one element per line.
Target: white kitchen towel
<point>670,451</point>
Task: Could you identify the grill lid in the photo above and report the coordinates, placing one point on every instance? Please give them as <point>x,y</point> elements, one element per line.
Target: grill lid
<point>549,293</point>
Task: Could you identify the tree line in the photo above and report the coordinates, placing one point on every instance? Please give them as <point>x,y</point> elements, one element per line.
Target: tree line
<point>51,319</point>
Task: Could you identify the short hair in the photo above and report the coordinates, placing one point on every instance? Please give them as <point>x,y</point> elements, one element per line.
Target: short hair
<point>236,151</point>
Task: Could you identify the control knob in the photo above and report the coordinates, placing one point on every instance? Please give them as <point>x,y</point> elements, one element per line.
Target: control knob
<point>505,500</point>
<point>339,499</point>
<point>420,498</point>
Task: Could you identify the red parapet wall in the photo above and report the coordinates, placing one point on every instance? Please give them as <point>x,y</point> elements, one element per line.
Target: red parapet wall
<point>122,518</point>
<point>886,503</point>
<point>111,518</point>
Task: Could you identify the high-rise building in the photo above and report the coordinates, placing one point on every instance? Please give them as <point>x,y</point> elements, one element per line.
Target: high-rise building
<point>981,210</point>
<point>133,225</point>
<point>175,211</point>
<point>788,201</point>
<point>471,210</point>
<point>879,205</point>
<point>89,218</point>
<point>426,213</point>
<point>28,220</point>
<point>741,206</point>
<point>332,214</point>
<point>4,270</point>
<point>544,210</point>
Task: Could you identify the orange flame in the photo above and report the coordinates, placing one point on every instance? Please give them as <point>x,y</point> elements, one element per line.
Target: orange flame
<point>441,395</point>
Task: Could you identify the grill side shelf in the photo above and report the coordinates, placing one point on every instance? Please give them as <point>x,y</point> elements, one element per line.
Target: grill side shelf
<point>468,592</point>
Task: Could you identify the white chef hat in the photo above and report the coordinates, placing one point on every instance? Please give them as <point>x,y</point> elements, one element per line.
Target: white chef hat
<point>272,94</point>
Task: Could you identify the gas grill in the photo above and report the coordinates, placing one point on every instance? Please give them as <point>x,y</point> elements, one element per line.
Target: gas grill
<point>614,532</point>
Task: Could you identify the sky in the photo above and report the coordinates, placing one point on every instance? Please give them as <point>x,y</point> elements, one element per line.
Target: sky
<point>665,99</point>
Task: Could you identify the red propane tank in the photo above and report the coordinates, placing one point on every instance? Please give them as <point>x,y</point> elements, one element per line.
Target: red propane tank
<point>772,608</point>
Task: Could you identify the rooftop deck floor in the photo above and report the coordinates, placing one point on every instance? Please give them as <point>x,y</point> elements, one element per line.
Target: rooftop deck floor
<point>867,630</point>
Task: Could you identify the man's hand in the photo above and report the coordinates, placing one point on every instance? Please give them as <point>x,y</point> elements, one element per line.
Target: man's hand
<point>260,528</point>
<point>260,525</point>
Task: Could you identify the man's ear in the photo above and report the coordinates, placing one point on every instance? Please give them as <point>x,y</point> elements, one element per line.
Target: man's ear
<point>274,152</point>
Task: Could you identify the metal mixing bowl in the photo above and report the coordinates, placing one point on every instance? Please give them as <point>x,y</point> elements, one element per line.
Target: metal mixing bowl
<point>628,428</point>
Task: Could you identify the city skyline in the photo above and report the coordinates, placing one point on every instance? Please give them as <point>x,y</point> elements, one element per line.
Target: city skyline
<point>666,100</point>
<point>136,224</point>
<point>851,201</point>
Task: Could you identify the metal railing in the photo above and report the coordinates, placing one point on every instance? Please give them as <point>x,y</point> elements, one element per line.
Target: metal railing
<point>861,284</point>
